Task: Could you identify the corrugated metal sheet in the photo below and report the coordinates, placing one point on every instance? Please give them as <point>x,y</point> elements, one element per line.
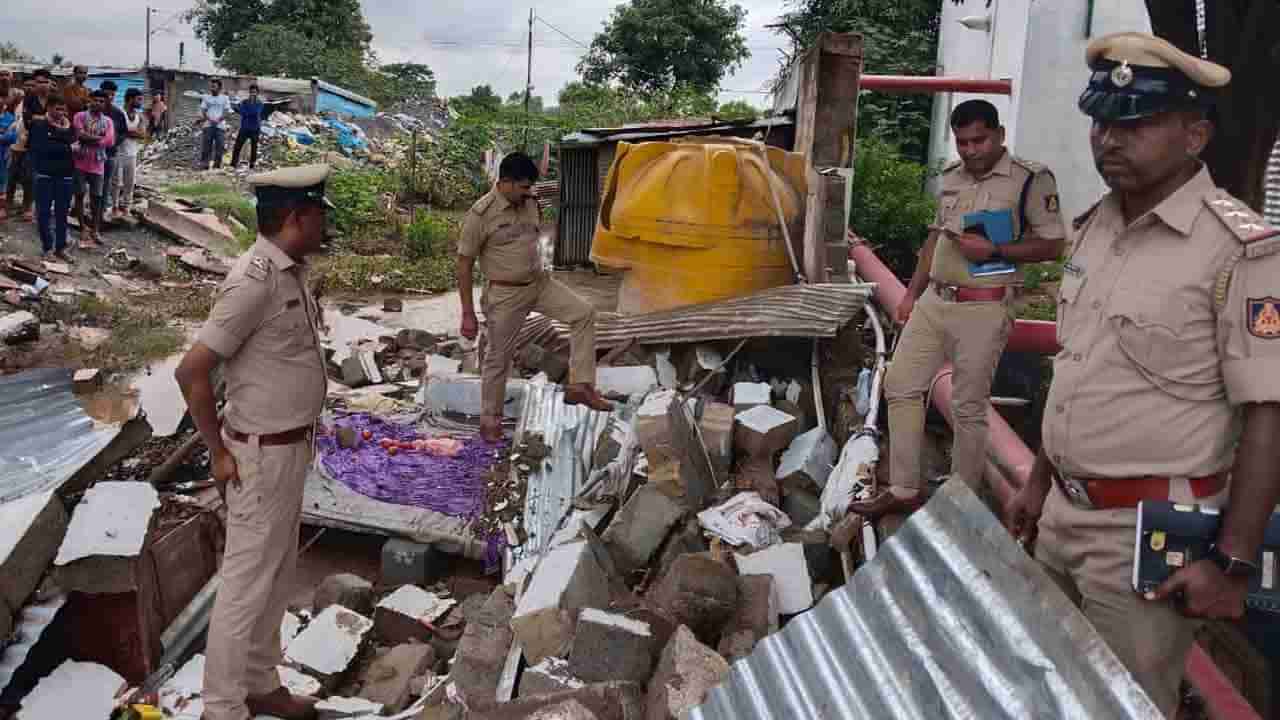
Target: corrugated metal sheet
<point>45,435</point>
<point>817,310</point>
<point>579,206</point>
<point>32,622</point>
<point>951,620</point>
<point>1272,188</point>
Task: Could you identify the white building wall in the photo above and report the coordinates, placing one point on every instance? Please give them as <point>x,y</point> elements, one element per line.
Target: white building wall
<point>1039,44</point>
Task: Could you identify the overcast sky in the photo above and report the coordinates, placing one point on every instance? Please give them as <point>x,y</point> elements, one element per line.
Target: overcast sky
<point>466,42</point>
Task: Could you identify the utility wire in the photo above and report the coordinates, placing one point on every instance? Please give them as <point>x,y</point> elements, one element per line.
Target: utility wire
<point>564,34</point>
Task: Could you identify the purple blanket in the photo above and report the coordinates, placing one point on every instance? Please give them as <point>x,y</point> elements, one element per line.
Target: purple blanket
<point>453,486</point>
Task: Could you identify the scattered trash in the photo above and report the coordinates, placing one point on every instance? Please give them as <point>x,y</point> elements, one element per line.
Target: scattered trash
<point>745,519</point>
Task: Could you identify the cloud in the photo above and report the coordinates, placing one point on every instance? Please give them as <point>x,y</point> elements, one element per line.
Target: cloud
<point>466,42</point>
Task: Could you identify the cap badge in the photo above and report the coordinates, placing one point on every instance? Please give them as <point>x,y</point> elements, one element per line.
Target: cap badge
<point>1122,75</point>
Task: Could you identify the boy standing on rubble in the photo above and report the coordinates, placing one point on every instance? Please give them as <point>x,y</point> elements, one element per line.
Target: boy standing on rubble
<point>1165,388</point>
<point>953,315</point>
<point>501,231</point>
<point>263,327</point>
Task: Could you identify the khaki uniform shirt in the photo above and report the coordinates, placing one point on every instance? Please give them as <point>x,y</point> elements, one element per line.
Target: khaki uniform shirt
<point>999,189</point>
<point>1151,376</point>
<point>264,325</point>
<point>503,237</point>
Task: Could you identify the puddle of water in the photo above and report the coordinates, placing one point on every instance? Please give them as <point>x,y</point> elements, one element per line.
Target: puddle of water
<point>160,396</point>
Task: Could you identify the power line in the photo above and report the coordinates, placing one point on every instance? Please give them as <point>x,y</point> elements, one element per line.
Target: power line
<point>564,34</point>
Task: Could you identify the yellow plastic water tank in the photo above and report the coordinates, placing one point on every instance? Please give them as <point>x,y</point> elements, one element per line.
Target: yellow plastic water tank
<point>693,221</point>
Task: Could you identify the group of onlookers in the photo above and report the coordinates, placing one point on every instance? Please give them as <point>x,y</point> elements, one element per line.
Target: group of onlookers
<point>69,147</point>
<point>214,108</point>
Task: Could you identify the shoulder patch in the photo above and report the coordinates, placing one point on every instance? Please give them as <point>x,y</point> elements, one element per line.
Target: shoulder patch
<point>482,205</point>
<point>1262,317</point>
<point>257,268</point>
<point>1083,218</point>
<point>1242,222</point>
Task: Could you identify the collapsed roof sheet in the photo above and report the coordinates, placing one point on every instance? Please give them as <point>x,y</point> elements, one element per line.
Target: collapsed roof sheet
<point>805,311</point>
<point>951,620</point>
<point>45,435</point>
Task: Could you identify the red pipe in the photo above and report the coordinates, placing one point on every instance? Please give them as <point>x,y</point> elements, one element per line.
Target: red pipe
<point>934,84</point>
<point>1032,336</point>
<point>1009,465</point>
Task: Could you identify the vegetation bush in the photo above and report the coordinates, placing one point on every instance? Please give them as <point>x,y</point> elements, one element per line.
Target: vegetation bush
<point>357,197</point>
<point>430,234</point>
<point>890,206</point>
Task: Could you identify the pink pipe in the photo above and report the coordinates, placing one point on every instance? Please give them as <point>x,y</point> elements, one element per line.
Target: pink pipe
<point>934,84</point>
<point>1009,466</point>
<point>1033,336</point>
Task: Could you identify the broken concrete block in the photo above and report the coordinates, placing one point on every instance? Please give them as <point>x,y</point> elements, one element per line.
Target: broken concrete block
<point>328,645</point>
<point>808,462</point>
<point>786,563</point>
<point>402,615</point>
<point>627,381</point>
<point>603,701</point>
<point>700,592</point>
<point>105,538</point>
<point>412,339</point>
<point>298,683</point>
<point>802,506</point>
<point>73,690</point>
<point>393,305</point>
<point>535,358</point>
<point>640,527</point>
<point>438,365</point>
<point>653,428</point>
<point>687,671</point>
<point>608,646</point>
<point>549,676</point>
<point>338,708</point>
<point>86,381</point>
<point>754,619</point>
<point>201,229</point>
<point>568,578</point>
<point>31,530</point>
<point>746,395</point>
<point>19,327</point>
<point>348,438</point>
<point>482,651</point>
<point>687,539</point>
<point>361,369</point>
<point>350,591</point>
<point>757,474</point>
<point>405,562</point>
<point>762,431</point>
<point>716,426</point>
<point>388,678</point>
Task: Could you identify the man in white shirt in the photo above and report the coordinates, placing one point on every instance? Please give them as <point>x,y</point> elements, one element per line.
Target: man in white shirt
<point>213,139</point>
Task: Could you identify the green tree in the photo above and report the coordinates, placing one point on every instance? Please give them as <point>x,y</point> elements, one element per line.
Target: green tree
<point>889,198</point>
<point>901,39</point>
<point>10,52</point>
<point>481,100</point>
<point>658,45</point>
<point>413,81</point>
<point>516,100</point>
<point>332,23</point>
<point>737,110</point>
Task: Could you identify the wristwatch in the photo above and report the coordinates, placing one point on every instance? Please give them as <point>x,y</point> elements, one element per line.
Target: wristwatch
<point>1230,565</point>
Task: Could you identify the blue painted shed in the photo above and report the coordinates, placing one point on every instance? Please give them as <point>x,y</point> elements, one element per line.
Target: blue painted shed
<point>342,102</point>
<point>123,80</point>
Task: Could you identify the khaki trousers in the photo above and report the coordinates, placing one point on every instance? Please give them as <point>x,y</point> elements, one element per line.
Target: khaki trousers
<point>1089,553</point>
<point>257,567</point>
<point>972,336</point>
<point>505,309</point>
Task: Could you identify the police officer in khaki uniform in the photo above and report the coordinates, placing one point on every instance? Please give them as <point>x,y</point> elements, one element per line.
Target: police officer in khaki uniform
<point>264,328</point>
<point>501,231</point>
<point>952,314</point>
<point>1166,386</point>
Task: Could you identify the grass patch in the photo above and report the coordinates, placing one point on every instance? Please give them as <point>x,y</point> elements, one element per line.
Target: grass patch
<point>225,200</point>
<point>1039,308</point>
<point>1037,274</point>
<point>138,334</point>
<point>387,273</point>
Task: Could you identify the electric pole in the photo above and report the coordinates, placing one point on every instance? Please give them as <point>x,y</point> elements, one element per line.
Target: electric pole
<point>528,82</point>
<point>147,62</point>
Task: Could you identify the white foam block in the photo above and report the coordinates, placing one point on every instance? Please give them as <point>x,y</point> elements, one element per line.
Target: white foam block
<point>412,601</point>
<point>330,642</point>
<point>80,690</point>
<point>791,582</point>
